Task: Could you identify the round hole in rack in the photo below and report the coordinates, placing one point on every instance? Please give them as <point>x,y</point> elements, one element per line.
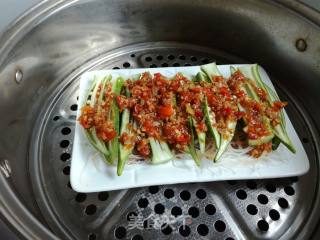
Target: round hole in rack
<point>164,65</point>
<point>92,236</point>
<point>91,209</point>
<point>251,184</point>
<point>203,230</point>
<point>103,196</point>
<point>241,194</point>
<point>182,57</point>
<point>232,182</point>
<point>159,208</point>
<point>193,59</point>
<point>56,118</point>
<point>283,203</point>
<point>74,107</point>
<point>185,195</point>
<point>252,209</point>
<point>120,232</point>
<point>66,170</point>
<point>176,64</point>
<point>153,189</point>
<point>131,216</point>
<point>263,199</point>
<point>168,193</point>
<point>65,156</point>
<point>65,130</point>
<point>193,212</point>
<point>176,211</point>
<point>201,194</point>
<point>132,55</point>
<point>148,59</point>
<point>187,64</point>
<point>305,140</point>
<point>143,202</point>
<point>115,68</point>
<point>171,57</point>
<point>64,143</point>
<point>263,225</point>
<point>271,187</point>
<point>81,197</point>
<point>137,237</point>
<point>274,214</point>
<point>220,226</point>
<point>184,230</point>
<point>126,64</point>
<point>159,57</point>
<point>289,190</point>
<point>210,209</point>
<point>153,65</point>
<point>166,229</point>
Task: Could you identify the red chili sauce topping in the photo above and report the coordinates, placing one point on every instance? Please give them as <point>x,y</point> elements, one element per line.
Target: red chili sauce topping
<point>160,108</point>
<point>256,114</point>
<point>96,116</point>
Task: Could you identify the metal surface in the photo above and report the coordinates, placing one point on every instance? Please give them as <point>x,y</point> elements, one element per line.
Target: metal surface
<point>50,169</point>
<point>41,59</point>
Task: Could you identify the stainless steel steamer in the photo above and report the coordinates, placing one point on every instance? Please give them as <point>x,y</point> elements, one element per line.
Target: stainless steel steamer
<point>42,56</point>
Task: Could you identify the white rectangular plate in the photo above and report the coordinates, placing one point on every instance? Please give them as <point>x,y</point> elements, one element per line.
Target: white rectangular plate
<point>89,172</point>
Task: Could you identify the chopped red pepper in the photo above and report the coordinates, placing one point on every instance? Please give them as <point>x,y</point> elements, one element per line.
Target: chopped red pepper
<point>165,111</point>
<point>277,105</point>
<point>122,102</point>
<point>86,117</point>
<point>143,148</point>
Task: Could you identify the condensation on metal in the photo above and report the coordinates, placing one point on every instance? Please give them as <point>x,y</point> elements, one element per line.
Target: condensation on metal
<point>18,76</point>
<point>218,210</point>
